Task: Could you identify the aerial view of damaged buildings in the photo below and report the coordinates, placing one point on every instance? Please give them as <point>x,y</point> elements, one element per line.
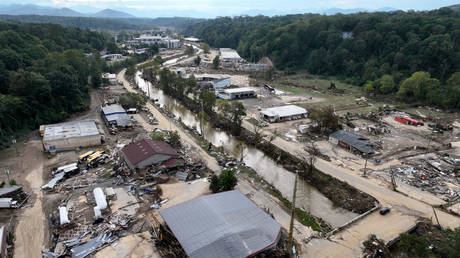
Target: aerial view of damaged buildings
<point>155,179</point>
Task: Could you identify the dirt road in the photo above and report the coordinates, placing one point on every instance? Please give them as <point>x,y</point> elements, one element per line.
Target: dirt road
<point>405,210</point>
<point>166,124</point>
<point>30,229</point>
<point>262,199</point>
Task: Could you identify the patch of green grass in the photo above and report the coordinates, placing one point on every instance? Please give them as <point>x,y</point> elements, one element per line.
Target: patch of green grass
<point>302,216</point>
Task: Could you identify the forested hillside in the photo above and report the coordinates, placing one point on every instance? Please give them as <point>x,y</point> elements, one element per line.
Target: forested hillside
<point>43,74</point>
<point>383,49</point>
<point>97,23</point>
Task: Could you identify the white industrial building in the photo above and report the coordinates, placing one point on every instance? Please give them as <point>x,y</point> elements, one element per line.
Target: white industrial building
<point>283,113</point>
<point>236,93</point>
<point>71,135</point>
<point>221,83</point>
<point>229,55</point>
<point>192,40</point>
<point>150,40</point>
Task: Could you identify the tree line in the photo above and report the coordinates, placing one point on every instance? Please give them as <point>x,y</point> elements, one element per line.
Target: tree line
<point>45,73</point>
<point>379,51</point>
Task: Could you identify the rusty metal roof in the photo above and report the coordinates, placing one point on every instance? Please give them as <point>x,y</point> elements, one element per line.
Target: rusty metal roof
<point>143,149</point>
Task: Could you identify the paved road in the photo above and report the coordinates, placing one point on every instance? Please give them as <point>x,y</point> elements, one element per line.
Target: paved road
<point>405,210</point>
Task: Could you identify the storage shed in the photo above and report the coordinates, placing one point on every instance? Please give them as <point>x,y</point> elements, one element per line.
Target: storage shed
<point>223,225</point>
<point>283,113</point>
<point>71,135</point>
<point>146,152</point>
<point>351,141</point>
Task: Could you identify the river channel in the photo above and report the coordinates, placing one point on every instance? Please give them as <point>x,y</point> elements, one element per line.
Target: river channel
<point>308,197</point>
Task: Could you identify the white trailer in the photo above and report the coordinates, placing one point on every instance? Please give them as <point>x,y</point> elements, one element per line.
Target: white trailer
<point>8,203</point>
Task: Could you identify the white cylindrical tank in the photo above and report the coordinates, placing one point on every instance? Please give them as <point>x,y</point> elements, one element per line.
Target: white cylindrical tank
<point>99,196</point>
<point>63,215</point>
<point>97,212</point>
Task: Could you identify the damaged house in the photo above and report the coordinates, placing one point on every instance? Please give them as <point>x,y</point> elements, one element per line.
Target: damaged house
<point>147,152</point>
<point>351,141</point>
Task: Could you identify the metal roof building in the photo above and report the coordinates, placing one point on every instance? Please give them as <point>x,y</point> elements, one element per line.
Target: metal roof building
<point>66,136</point>
<point>147,152</point>
<point>236,93</point>
<point>222,225</point>
<point>283,113</point>
<point>228,54</point>
<point>115,115</point>
<point>352,141</point>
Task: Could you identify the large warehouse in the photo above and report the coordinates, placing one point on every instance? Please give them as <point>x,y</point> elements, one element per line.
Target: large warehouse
<point>283,113</point>
<point>229,55</point>
<point>222,225</point>
<point>236,93</point>
<point>71,135</point>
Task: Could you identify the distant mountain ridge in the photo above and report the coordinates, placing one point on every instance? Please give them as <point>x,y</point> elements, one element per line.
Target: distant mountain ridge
<point>31,9</point>
<point>110,13</point>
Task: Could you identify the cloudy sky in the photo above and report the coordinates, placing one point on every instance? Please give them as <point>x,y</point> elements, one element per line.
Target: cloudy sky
<point>233,7</point>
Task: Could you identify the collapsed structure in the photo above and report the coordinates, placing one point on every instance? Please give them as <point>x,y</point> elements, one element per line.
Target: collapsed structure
<point>147,152</point>
<point>283,113</point>
<point>351,141</point>
<point>222,225</point>
<point>69,136</point>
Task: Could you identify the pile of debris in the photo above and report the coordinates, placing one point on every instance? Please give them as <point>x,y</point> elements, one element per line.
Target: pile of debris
<point>432,173</point>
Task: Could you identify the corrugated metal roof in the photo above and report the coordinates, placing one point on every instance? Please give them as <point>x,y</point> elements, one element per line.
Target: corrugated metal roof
<point>113,109</point>
<point>170,163</point>
<point>289,110</point>
<point>238,90</point>
<point>182,176</point>
<point>357,141</point>
<point>70,130</point>
<point>8,190</point>
<point>143,149</point>
<point>221,225</point>
<point>120,119</point>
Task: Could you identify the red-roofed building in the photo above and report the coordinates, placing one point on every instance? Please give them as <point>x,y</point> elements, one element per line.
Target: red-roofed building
<point>147,152</point>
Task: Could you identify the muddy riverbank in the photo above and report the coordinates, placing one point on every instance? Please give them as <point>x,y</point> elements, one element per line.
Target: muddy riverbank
<point>269,167</point>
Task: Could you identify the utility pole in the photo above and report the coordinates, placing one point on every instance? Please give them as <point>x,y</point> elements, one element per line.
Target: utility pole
<point>393,181</point>
<point>437,220</point>
<point>15,146</point>
<point>291,226</point>
<point>7,172</point>
<point>365,164</point>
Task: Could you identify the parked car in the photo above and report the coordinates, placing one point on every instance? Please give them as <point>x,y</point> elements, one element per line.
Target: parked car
<point>384,211</point>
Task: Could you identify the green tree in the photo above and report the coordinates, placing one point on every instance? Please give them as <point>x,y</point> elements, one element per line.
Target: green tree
<point>417,86</point>
<point>205,47</point>
<point>189,50</point>
<point>214,185</point>
<point>326,119</point>
<point>237,114</point>
<point>227,180</point>
<point>208,100</point>
<point>216,62</point>
<point>158,136</point>
<point>414,246</point>
<point>368,88</point>
<point>386,84</point>
<point>112,48</point>
<point>197,61</point>
<point>159,60</point>
<point>174,138</point>
<point>132,100</point>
